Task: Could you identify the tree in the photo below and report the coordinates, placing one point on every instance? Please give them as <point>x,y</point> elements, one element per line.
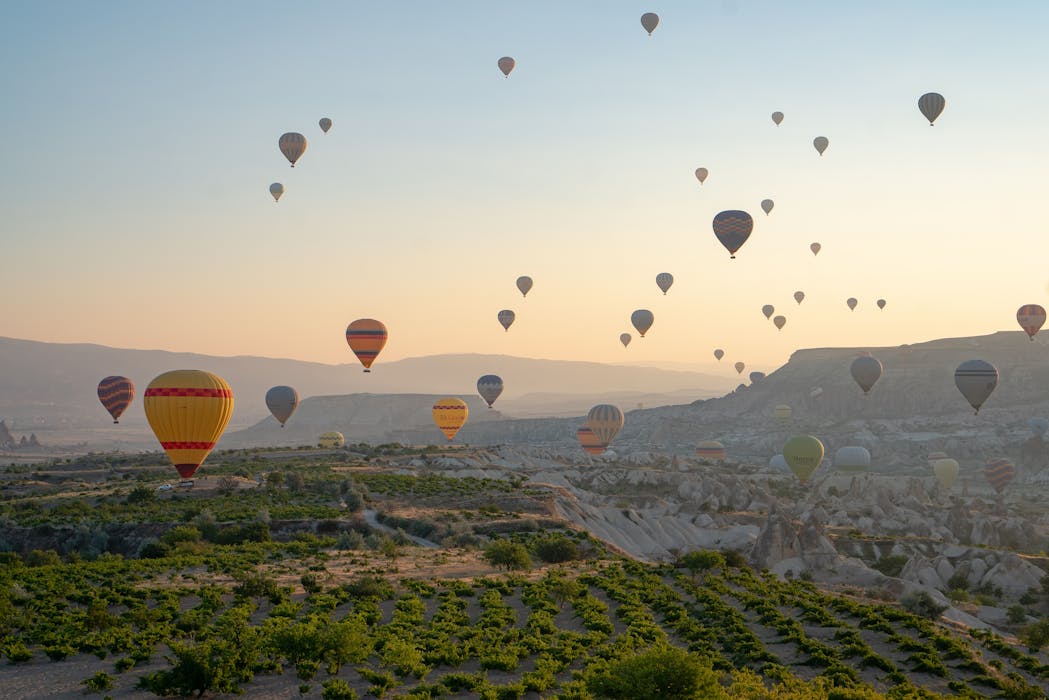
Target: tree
<point>702,560</point>
<point>661,673</point>
<point>508,555</point>
<point>1035,635</point>
<point>923,605</point>
<point>556,549</point>
<point>563,590</point>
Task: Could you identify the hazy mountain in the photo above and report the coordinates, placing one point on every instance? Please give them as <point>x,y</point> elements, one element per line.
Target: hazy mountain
<point>50,387</point>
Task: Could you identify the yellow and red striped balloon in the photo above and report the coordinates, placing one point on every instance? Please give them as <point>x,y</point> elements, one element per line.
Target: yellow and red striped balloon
<point>999,472</point>
<point>188,410</point>
<point>711,450</point>
<point>450,414</point>
<point>588,441</point>
<point>366,337</point>
<point>116,394</point>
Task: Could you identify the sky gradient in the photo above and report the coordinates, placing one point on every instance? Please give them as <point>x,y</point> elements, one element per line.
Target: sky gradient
<point>142,139</point>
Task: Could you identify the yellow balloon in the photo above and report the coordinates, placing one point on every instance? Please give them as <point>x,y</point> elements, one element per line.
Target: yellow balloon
<point>450,414</point>
<point>946,471</point>
<point>188,410</point>
<point>803,454</point>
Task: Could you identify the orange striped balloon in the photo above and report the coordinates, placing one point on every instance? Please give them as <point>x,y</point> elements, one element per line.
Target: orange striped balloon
<point>188,410</point>
<point>450,414</point>
<point>366,337</point>
<point>1031,317</point>
<point>999,472</point>
<point>116,394</point>
<point>588,441</point>
<point>711,450</point>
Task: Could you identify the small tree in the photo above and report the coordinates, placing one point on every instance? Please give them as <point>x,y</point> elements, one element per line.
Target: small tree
<point>1035,635</point>
<point>661,673</point>
<point>702,560</point>
<point>556,549</point>
<point>507,555</point>
<point>1016,614</point>
<point>563,590</point>
<point>923,605</point>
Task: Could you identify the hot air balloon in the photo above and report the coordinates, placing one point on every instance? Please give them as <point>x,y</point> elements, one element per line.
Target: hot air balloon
<point>933,456</point>
<point>866,370</point>
<point>946,471</point>
<point>625,339</point>
<point>450,414</point>
<point>524,285</point>
<point>852,459</point>
<point>642,320</point>
<point>778,463</point>
<point>588,441</point>
<point>851,303</point>
<point>881,303</point>
<point>931,105</point>
<point>489,387</point>
<point>701,175</point>
<point>1038,426</point>
<point>282,402</point>
<point>331,440</point>
<point>188,410</point>
<point>821,143</point>
<point>782,412</point>
<point>815,248</point>
<point>325,124</point>
<point>711,451</point>
<point>733,228</point>
<point>803,454</point>
<point>1031,317</point>
<point>780,321</point>
<point>976,379</point>
<point>664,280</point>
<point>366,337</point>
<point>756,377</point>
<point>276,189</point>
<point>292,145</point>
<point>768,310</point>
<point>999,472</point>
<point>739,367</point>
<point>718,354</point>
<point>606,421</point>
<point>799,297</point>
<point>650,20</point>
<point>506,318</point>
<point>766,205</point>
<point>816,392</point>
<point>116,394</point>
<point>777,117</point>
<point>506,65</point>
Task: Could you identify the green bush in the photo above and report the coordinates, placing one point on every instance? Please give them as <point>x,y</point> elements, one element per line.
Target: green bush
<point>661,673</point>
<point>337,689</point>
<point>923,605</point>
<point>507,555</point>
<point>555,549</point>
<point>98,683</point>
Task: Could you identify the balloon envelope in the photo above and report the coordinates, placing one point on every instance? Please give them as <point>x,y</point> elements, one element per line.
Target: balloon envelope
<point>768,310</point>
<point>325,124</point>
<point>292,145</point>
<point>946,471</point>
<point>606,421</point>
<point>1031,317</point>
<point>701,175</point>
<point>366,337</point>
<point>852,459</point>
<point>282,402</point>
<point>799,296</point>
<point>506,65</point>
<point>733,228</point>
<point>739,367</point>
<point>506,318</point>
<point>588,441</point>
<point>803,454</point>
<point>450,414</point>
<point>780,321</point>
<point>815,248</point>
<point>766,205</point>
<point>783,412</point>
<point>664,280</point>
<point>650,20</point>
<point>999,472</point>
<point>777,117</point>
<point>276,189</point>
<point>711,451</point>
<point>188,410</point>
<point>116,394</point>
<point>642,320</point>
<point>331,440</point>
<point>821,143</point>
<point>524,284</point>
<point>625,339</point>
<point>718,354</point>
<point>881,303</point>
<point>866,371</point>
<point>976,379</point>
<point>489,387</point>
<point>851,303</point>
<point>931,105</point>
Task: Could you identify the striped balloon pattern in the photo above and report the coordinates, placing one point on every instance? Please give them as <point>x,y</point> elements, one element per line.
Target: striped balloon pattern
<point>783,412</point>
<point>733,228</point>
<point>116,394</point>
<point>188,410</point>
<point>490,386</point>
<point>711,451</point>
<point>366,337</point>
<point>976,379</point>
<point>1031,318</point>
<point>606,421</point>
<point>931,105</point>
<point>450,415</point>
<point>292,145</point>
<point>588,441</point>
<point>331,440</point>
<point>999,472</point>
<point>718,354</point>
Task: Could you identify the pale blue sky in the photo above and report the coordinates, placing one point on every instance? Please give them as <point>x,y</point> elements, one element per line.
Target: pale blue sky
<point>141,140</point>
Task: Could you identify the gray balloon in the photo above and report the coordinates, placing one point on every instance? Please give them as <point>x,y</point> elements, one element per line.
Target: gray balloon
<point>866,371</point>
<point>642,320</point>
<point>282,402</point>
<point>976,379</point>
<point>489,387</point>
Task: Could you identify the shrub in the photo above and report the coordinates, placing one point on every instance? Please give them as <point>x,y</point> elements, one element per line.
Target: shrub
<point>508,555</point>
<point>702,560</point>
<point>661,673</point>
<point>556,549</point>
<point>369,587</point>
<point>98,683</point>
<point>1016,614</point>
<point>923,605</point>
<point>337,689</point>
<point>1035,635</point>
